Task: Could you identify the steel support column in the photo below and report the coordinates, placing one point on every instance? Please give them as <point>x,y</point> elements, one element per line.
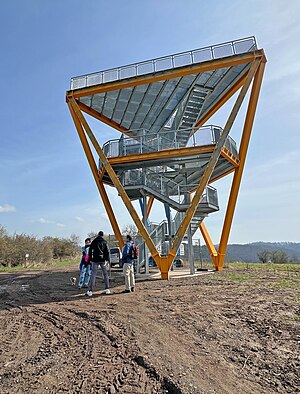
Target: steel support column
<point>213,160</point>
<point>94,170</point>
<point>116,182</point>
<point>239,171</point>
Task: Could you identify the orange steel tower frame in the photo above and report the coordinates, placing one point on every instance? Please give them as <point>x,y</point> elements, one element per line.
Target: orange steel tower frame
<point>250,79</point>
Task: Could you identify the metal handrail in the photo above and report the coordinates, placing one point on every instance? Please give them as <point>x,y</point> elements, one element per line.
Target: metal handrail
<point>181,59</point>
<point>153,142</point>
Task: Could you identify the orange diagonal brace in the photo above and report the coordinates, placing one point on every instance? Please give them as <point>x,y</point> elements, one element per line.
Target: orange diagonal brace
<point>115,180</point>
<point>239,171</point>
<point>210,246</point>
<point>213,160</point>
<point>149,205</point>
<point>94,170</point>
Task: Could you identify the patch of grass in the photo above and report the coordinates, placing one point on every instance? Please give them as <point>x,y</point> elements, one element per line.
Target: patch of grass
<point>52,264</point>
<point>286,283</point>
<point>64,263</point>
<point>266,267</point>
<point>239,277</point>
<point>233,276</point>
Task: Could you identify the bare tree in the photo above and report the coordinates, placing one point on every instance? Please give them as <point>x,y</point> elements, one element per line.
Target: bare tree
<point>129,229</point>
<point>264,256</point>
<point>279,257</point>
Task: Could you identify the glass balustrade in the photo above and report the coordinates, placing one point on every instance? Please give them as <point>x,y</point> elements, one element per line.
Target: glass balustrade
<point>145,142</point>
<point>170,62</point>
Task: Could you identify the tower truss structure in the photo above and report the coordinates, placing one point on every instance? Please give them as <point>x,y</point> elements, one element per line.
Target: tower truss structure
<point>166,150</point>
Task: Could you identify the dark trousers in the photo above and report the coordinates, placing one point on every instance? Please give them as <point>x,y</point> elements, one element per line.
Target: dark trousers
<point>95,267</point>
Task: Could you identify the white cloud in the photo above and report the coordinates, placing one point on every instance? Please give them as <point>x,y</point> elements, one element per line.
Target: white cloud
<point>7,208</point>
<point>45,221</point>
<point>79,219</point>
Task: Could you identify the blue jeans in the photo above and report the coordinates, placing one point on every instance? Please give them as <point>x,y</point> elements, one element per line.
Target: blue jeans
<point>95,267</point>
<point>85,275</point>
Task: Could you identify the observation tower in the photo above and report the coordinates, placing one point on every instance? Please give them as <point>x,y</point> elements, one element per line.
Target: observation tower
<point>167,150</point>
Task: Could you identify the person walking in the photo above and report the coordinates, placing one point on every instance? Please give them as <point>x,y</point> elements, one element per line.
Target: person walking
<point>85,265</point>
<point>128,255</point>
<point>99,255</point>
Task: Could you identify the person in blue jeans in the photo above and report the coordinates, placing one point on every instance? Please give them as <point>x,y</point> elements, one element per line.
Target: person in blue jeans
<point>85,265</point>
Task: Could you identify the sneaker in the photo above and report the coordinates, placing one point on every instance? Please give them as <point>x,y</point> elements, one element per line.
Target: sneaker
<point>79,287</point>
<point>89,293</point>
<point>132,289</point>
<point>126,291</point>
<point>107,291</point>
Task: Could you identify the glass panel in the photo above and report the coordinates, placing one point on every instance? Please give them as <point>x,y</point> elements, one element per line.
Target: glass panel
<point>145,68</point>
<point>127,72</point>
<point>163,64</point>
<point>94,79</point>
<point>245,46</point>
<point>202,55</point>
<point>202,137</point>
<point>222,51</point>
<point>78,83</point>
<point>182,60</point>
<point>216,135</point>
<point>110,75</point>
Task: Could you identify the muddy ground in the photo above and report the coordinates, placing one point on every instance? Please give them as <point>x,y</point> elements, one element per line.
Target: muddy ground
<point>229,332</point>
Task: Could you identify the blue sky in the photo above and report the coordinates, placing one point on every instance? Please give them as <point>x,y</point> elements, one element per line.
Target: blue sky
<point>46,185</point>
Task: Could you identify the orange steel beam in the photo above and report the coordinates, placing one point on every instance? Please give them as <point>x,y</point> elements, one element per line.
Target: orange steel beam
<point>149,205</point>
<point>239,171</point>
<point>210,246</point>
<point>101,173</point>
<point>229,61</point>
<point>175,153</point>
<point>193,150</point>
<point>94,170</point>
<point>230,157</point>
<point>212,162</point>
<point>116,183</point>
<point>102,118</point>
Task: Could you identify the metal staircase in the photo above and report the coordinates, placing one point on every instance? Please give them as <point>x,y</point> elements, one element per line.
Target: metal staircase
<point>172,179</point>
<point>159,232</point>
<point>189,113</point>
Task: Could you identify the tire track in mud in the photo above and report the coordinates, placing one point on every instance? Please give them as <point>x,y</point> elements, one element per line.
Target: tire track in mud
<point>71,351</point>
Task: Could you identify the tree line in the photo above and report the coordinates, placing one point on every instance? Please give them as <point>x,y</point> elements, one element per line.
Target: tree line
<point>23,249</point>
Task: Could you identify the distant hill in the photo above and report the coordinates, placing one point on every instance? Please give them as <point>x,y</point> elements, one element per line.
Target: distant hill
<point>248,252</point>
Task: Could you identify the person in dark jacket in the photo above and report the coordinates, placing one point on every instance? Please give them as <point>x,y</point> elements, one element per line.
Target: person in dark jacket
<point>98,255</point>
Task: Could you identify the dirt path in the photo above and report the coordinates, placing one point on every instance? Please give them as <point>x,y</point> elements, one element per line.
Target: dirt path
<point>205,334</point>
